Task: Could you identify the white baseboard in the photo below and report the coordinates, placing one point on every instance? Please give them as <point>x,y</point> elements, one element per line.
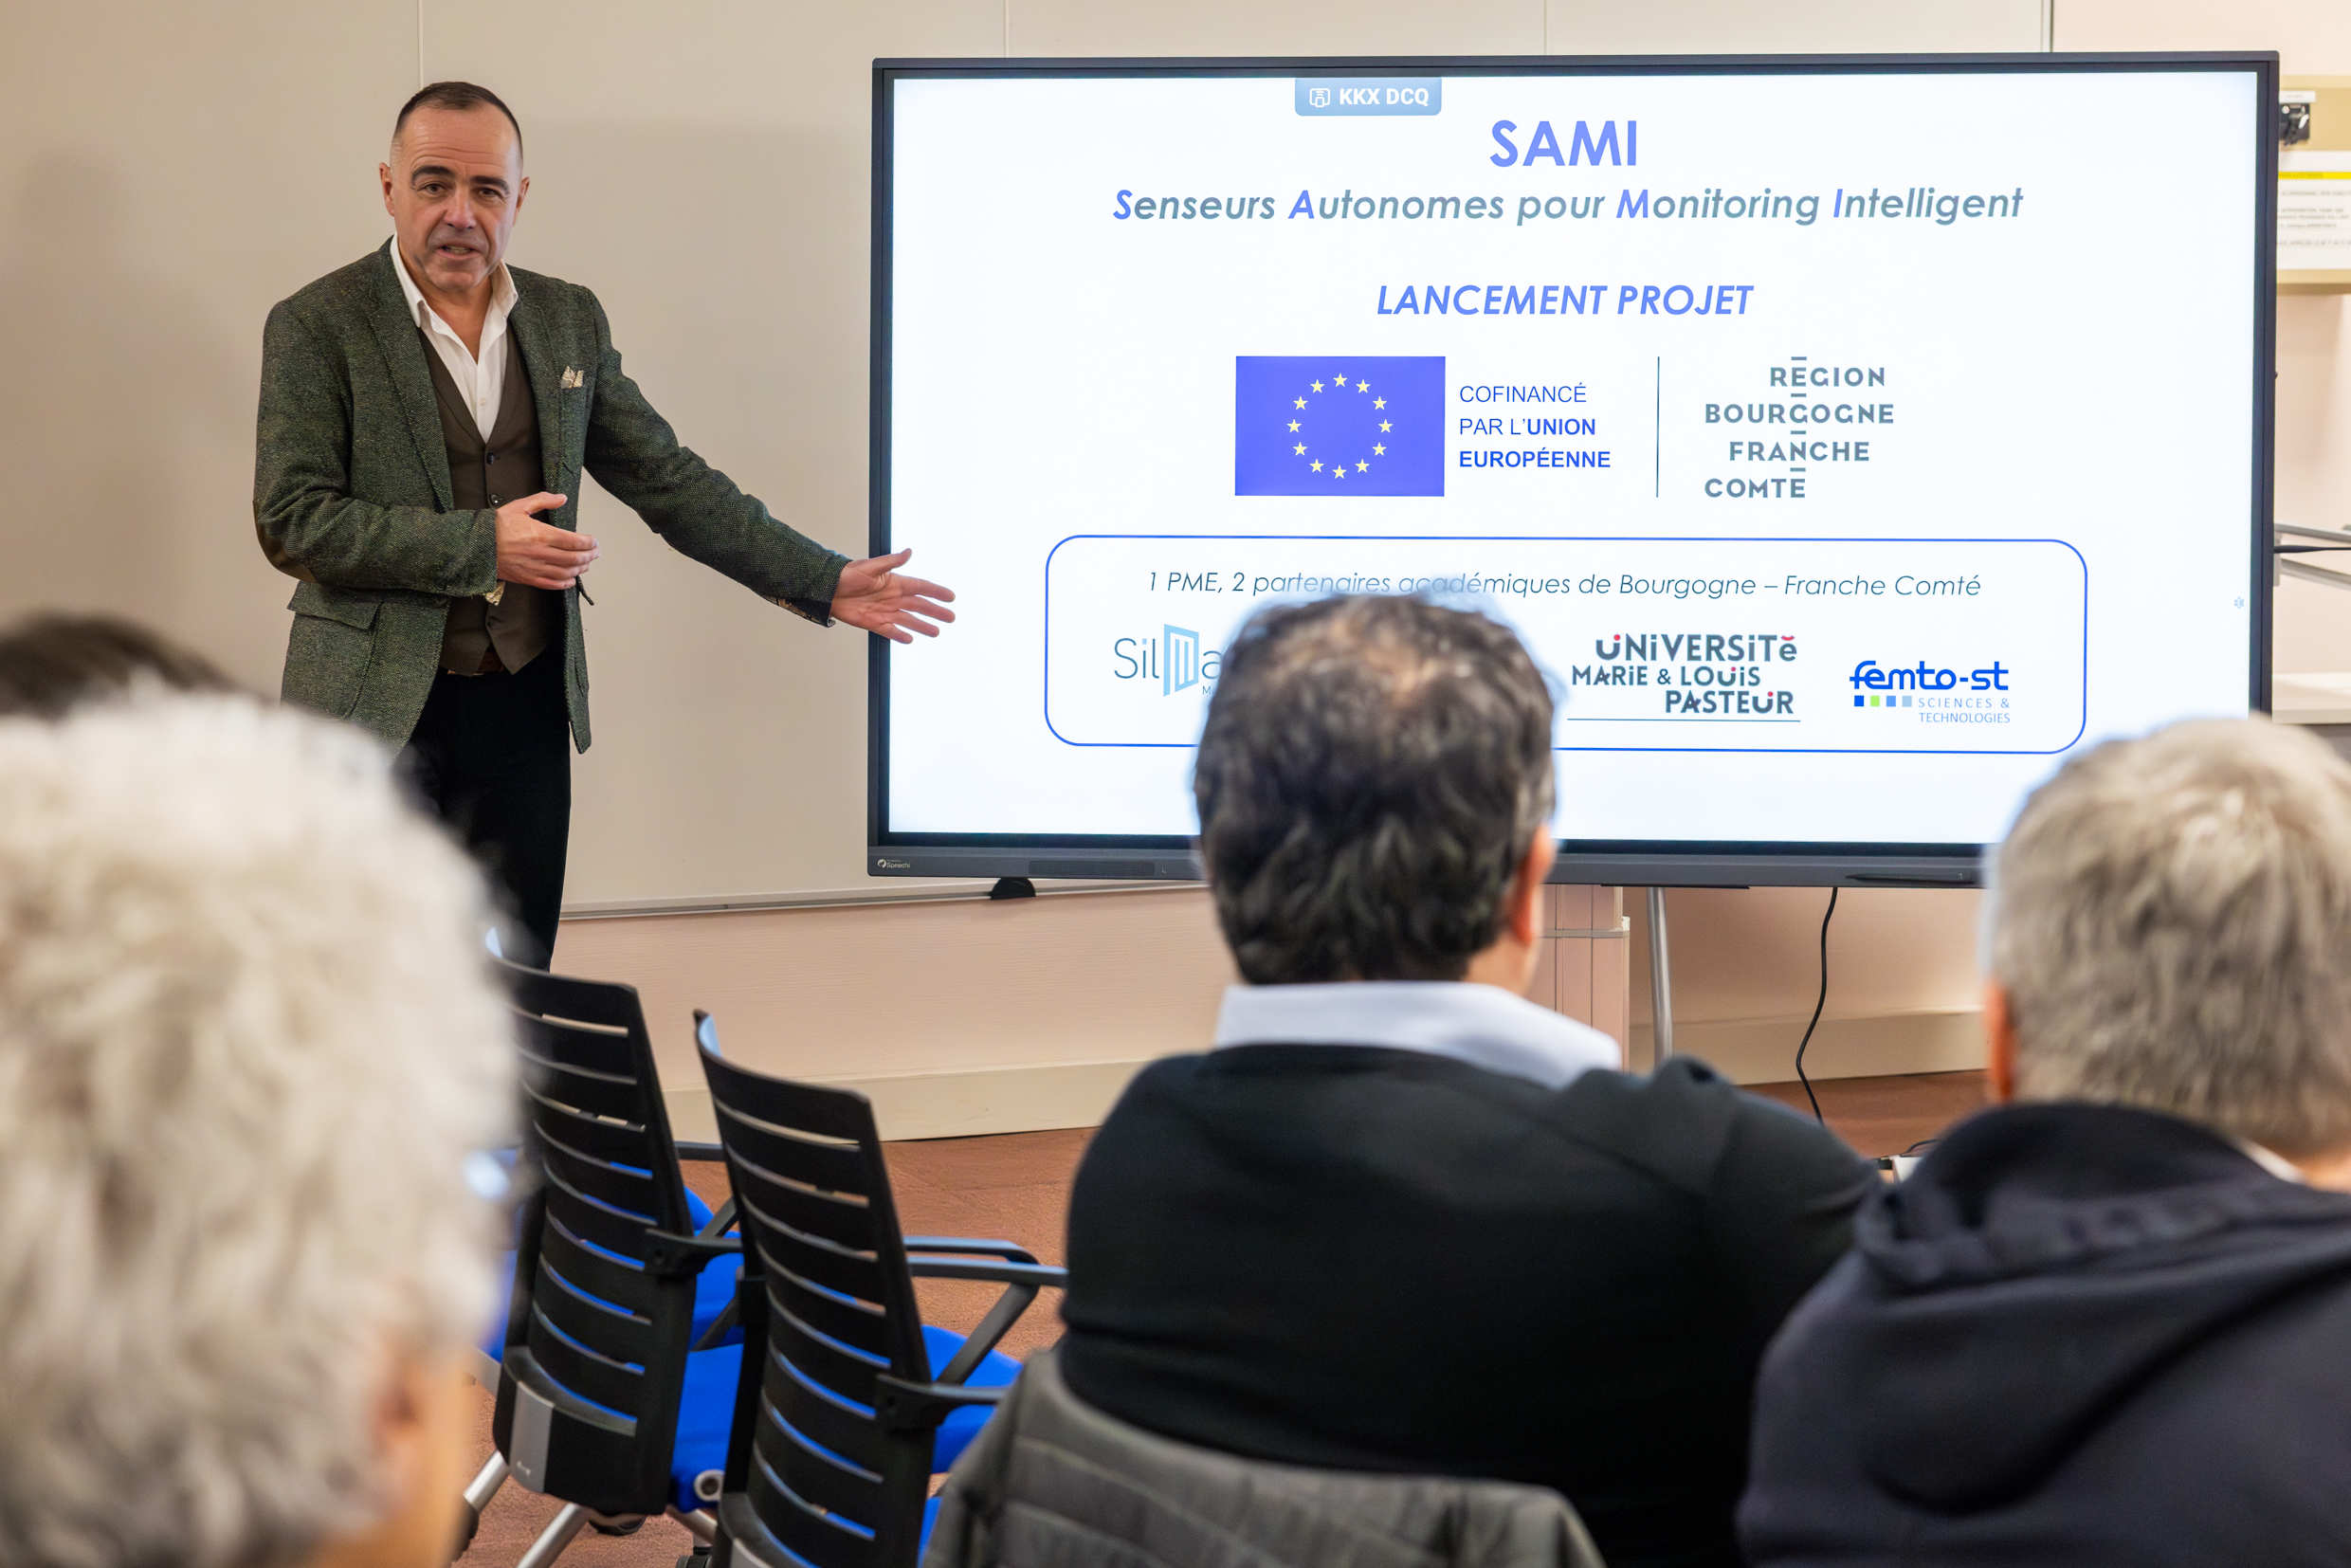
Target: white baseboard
<point>1032,1098</point>
<point>1762,1050</point>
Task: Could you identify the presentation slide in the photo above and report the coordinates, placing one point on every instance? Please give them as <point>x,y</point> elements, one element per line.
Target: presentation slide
<point>1849,447</point>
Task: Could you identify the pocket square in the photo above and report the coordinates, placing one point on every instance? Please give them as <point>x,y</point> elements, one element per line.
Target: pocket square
<point>571,379</point>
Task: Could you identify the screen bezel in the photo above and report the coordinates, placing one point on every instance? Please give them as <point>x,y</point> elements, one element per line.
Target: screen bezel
<point>1664,863</point>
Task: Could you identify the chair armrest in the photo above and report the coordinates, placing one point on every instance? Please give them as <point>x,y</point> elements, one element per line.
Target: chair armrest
<point>925,1266</point>
<point>971,1243</point>
<point>906,1406</point>
<point>670,1256</point>
<point>715,1153</point>
<point>1021,1282</point>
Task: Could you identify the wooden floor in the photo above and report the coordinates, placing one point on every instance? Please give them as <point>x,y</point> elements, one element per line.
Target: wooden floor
<point>1887,1115</point>
<point>1016,1186</point>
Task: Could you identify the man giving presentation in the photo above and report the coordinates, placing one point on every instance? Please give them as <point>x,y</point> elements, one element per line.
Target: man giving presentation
<point>426,415</point>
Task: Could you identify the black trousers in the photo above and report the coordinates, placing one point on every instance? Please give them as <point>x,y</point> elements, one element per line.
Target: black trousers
<point>491,757</point>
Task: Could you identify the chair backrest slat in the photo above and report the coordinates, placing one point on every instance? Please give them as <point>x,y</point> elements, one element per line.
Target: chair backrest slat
<point>825,1421</point>
<point>857,1324</point>
<point>581,1372</point>
<point>827,1541</point>
<point>590,1272</point>
<point>833,1369</point>
<point>543,994</point>
<point>632,1192</point>
<point>556,1083</point>
<point>592,1222</point>
<point>823,1166</point>
<point>838,1217</point>
<point>585,1047</point>
<point>830,1480</point>
<point>816,1259</point>
<point>617,1333</point>
<point>614,1141</point>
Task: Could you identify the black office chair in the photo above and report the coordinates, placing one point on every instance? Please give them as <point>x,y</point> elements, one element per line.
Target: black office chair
<point>856,1403</point>
<point>600,1350</point>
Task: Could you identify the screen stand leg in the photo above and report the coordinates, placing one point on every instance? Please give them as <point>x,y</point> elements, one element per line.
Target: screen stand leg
<point>1660,983</point>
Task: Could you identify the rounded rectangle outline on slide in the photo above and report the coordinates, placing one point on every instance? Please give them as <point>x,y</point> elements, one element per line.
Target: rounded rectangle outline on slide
<point>1046,668</point>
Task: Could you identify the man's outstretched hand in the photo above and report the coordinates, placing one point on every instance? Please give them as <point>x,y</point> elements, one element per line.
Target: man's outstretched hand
<point>540,553</point>
<point>874,596</point>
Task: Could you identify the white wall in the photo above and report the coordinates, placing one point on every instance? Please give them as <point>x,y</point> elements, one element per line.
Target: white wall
<point>166,173</point>
<point>1814,26</point>
<point>2312,37</point>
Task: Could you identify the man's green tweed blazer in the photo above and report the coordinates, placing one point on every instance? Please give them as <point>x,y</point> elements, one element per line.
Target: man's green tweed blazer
<point>351,489</point>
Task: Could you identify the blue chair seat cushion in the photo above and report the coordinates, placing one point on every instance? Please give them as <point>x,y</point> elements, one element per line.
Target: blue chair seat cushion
<point>706,1414</point>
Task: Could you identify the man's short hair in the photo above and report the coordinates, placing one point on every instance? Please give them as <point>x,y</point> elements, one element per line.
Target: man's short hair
<point>51,662</point>
<point>454,96</point>
<point>2170,919</point>
<point>1373,772</point>
<point>249,1063</point>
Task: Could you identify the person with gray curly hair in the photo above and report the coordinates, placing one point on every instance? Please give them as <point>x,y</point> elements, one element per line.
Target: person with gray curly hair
<point>2109,1321</point>
<point>1400,1217</point>
<point>251,1066</point>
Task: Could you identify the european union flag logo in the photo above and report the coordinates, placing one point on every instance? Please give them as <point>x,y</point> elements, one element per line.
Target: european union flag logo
<point>1338,424</point>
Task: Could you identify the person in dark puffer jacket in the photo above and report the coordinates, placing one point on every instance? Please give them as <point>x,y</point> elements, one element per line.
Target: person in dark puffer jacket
<point>2109,1321</point>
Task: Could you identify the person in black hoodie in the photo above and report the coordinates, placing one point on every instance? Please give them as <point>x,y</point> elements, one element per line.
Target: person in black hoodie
<point>2109,1321</point>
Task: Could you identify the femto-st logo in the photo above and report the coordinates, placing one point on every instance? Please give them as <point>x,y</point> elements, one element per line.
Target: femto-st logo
<point>1174,658</point>
<point>1869,679</point>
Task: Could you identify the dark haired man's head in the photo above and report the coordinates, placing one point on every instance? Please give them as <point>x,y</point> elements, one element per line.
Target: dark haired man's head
<point>1374,784</point>
<point>454,186</point>
<point>454,96</point>
<point>51,664</point>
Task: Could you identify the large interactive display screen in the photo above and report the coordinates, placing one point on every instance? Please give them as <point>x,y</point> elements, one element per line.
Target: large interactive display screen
<point>1851,439</point>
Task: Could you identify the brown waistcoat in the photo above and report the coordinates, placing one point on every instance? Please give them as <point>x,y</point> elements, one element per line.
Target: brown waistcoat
<point>483,475</point>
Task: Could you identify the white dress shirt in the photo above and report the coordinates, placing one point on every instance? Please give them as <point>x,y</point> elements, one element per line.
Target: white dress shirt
<point>1481,1025</point>
<point>482,382</point>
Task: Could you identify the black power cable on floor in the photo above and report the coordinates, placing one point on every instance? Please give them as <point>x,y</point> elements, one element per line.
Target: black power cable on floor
<point>1819,1002</point>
